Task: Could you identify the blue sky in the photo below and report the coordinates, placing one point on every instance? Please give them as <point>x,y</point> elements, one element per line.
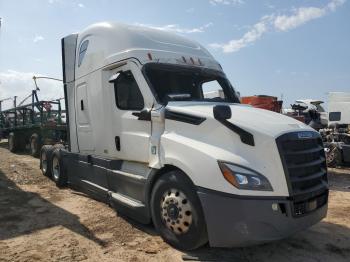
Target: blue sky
<point>298,48</point>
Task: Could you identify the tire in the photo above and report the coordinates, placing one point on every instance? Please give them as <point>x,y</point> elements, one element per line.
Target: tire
<point>177,212</point>
<point>333,156</point>
<point>12,143</point>
<point>61,146</point>
<point>34,145</point>
<point>46,160</point>
<point>59,176</point>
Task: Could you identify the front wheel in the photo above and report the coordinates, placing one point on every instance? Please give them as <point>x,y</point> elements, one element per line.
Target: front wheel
<point>177,212</point>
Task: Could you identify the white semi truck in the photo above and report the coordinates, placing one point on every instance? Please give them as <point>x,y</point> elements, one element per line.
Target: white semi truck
<point>144,138</point>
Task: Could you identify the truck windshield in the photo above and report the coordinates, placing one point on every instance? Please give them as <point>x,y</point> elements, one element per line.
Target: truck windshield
<point>182,83</point>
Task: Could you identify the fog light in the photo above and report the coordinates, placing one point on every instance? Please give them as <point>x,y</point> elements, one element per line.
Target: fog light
<point>274,207</point>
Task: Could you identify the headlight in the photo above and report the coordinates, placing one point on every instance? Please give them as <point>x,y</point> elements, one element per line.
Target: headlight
<point>244,178</point>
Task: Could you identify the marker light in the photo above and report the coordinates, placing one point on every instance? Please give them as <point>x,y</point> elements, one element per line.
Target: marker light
<point>274,206</point>
<point>244,178</point>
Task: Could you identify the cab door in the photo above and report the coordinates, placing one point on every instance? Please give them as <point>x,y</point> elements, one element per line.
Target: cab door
<point>131,102</point>
<point>84,130</point>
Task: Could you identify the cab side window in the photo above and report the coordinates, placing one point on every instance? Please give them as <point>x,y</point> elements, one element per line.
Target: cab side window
<point>212,89</point>
<point>82,51</point>
<point>127,93</point>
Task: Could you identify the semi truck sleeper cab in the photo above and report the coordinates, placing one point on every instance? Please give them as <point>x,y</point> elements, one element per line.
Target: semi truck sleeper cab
<point>145,137</point>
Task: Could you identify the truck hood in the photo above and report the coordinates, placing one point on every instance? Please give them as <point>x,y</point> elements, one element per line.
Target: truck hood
<point>247,117</point>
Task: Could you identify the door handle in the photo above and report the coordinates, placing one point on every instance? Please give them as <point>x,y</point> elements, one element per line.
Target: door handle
<point>117,142</point>
<point>144,115</point>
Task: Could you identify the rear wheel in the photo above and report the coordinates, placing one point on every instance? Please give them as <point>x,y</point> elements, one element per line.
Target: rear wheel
<point>35,145</point>
<point>61,146</point>
<point>177,213</point>
<point>12,143</point>
<point>58,173</point>
<point>45,160</point>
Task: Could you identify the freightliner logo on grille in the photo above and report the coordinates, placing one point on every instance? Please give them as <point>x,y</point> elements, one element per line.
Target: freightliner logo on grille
<point>304,134</point>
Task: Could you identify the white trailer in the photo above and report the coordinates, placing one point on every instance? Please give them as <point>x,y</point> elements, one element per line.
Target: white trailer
<point>144,138</point>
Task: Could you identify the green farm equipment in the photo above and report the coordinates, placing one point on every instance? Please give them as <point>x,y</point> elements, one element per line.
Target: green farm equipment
<point>32,125</point>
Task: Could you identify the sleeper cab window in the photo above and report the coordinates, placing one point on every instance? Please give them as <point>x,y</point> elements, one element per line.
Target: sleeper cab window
<point>127,93</point>
<point>82,51</point>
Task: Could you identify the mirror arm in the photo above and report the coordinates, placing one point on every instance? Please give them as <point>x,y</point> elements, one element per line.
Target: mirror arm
<point>144,115</point>
<point>114,77</point>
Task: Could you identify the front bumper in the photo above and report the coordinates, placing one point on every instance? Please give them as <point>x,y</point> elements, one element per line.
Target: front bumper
<point>236,221</point>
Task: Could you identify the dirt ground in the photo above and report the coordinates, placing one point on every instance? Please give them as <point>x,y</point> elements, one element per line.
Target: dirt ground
<point>39,222</point>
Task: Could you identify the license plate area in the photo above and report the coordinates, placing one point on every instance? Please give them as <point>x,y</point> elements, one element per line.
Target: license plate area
<point>305,207</point>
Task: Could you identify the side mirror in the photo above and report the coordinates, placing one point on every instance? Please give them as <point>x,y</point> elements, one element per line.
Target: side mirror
<point>114,77</point>
<point>222,112</point>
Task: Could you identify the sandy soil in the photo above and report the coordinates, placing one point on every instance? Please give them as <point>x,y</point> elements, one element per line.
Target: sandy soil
<point>39,222</point>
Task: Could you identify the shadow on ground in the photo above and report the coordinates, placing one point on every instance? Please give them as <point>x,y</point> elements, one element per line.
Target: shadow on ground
<point>26,212</point>
<point>4,144</point>
<point>339,179</point>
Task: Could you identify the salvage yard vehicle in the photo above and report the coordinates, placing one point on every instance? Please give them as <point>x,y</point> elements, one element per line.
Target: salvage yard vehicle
<point>316,106</point>
<point>32,125</point>
<point>263,101</point>
<point>144,138</point>
<point>337,136</point>
<point>308,111</point>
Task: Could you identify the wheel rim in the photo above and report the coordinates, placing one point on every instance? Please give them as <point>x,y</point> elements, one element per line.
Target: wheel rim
<point>33,146</point>
<point>55,168</point>
<point>330,155</point>
<point>10,142</point>
<point>176,211</point>
<point>44,162</point>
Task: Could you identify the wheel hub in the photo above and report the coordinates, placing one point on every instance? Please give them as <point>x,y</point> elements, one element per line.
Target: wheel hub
<point>173,211</point>
<point>55,168</point>
<point>44,162</point>
<point>176,211</point>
